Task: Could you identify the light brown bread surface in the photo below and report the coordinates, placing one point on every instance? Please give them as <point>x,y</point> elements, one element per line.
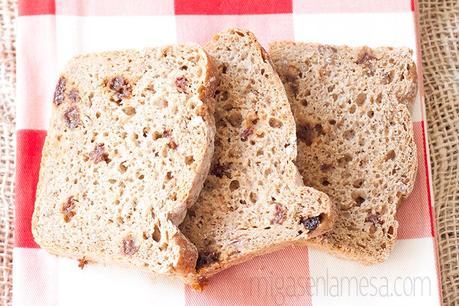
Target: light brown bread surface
<point>128,148</point>
<point>355,137</point>
<point>253,201</point>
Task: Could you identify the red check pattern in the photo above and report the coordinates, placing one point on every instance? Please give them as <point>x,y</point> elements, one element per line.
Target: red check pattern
<point>49,32</point>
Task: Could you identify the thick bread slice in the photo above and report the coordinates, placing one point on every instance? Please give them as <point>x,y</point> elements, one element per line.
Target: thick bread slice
<point>253,201</point>
<point>355,137</point>
<point>128,149</point>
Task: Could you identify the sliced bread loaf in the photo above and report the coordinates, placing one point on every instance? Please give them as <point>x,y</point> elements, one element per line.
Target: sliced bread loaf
<point>254,200</point>
<point>128,148</point>
<point>355,137</point>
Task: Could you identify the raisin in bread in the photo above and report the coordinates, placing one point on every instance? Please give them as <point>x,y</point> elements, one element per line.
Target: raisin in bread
<point>355,137</point>
<point>128,148</point>
<point>254,200</point>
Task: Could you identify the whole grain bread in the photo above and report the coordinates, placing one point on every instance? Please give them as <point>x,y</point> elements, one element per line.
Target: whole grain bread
<point>128,148</point>
<point>355,137</point>
<point>253,200</point>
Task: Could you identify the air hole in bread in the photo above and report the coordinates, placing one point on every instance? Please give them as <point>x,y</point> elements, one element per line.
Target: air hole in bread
<point>120,220</point>
<point>360,99</point>
<point>349,134</point>
<point>223,68</point>
<point>402,77</point>
<point>116,202</point>
<point>234,185</point>
<point>260,134</point>
<point>145,131</point>
<point>390,231</point>
<point>164,103</point>
<point>253,197</point>
<point>275,123</point>
<point>358,198</point>
<point>304,102</point>
<point>370,114</point>
<point>344,160</point>
<point>325,182</point>
<point>97,115</point>
<point>352,109</point>
<point>252,119</point>
<point>122,167</point>
<point>361,245</point>
<point>90,97</point>
<point>141,177</point>
<point>189,160</point>
<point>372,230</point>
<point>260,152</point>
<point>389,155</point>
<point>129,110</point>
<point>173,196</point>
<point>116,101</point>
<point>358,183</point>
<point>112,181</point>
<point>156,235</point>
<point>319,129</point>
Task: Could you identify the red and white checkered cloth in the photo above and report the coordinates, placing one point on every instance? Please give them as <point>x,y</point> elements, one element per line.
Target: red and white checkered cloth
<point>50,32</point>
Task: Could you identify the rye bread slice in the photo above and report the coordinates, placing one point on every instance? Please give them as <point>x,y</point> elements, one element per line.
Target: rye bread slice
<point>253,201</point>
<point>355,137</point>
<point>128,148</point>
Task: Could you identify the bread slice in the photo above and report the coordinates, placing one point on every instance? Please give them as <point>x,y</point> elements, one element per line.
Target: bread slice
<point>253,201</point>
<point>355,137</point>
<point>127,151</point>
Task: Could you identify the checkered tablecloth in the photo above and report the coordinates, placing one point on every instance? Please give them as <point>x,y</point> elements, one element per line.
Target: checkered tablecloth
<point>50,32</point>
